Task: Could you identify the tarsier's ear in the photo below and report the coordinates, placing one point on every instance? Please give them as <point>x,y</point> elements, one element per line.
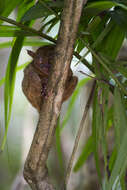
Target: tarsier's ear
<point>31,53</point>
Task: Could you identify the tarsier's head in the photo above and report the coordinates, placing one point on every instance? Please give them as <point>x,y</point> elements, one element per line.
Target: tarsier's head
<point>42,58</point>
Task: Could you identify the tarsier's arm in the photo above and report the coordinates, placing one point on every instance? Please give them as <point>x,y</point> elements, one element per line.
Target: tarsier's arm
<point>36,75</point>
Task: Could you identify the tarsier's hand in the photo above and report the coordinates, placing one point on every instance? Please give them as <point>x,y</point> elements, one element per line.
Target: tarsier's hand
<point>36,77</point>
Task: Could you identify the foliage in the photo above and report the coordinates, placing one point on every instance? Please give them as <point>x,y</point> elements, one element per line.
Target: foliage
<point>102,30</point>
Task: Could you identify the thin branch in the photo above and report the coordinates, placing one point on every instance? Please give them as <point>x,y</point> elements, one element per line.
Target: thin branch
<point>39,33</point>
<point>101,80</point>
<point>71,161</point>
<point>26,28</point>
<point>84,61</point>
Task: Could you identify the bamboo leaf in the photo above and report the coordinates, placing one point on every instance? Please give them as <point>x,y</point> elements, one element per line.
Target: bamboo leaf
<point>111,46</point>
<point>58,146</point>
<point>12,31</point>
<point>120,120</point>
<point>37,11</point>
<point>95,8</point>
<point>120,18</point>
<point>120,163</point>
<point>96,124</point>
<point>2,81</point>
<point>6,7</point>
<point>27,42</point>
<point>10,83</point>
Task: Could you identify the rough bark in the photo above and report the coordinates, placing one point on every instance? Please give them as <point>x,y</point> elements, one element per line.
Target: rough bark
<point>35,171</point>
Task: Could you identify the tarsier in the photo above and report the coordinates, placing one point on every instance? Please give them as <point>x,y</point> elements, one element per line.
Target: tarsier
<point>36,76</point>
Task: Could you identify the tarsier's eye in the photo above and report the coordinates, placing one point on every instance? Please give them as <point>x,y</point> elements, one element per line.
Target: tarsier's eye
<point>39,60</point>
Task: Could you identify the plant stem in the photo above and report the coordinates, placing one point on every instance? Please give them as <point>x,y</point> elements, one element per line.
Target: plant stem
<point>26,28</point>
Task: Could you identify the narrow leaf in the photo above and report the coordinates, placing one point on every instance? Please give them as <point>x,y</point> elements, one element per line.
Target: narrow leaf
<point>10,83</point>
<point>95,8</point>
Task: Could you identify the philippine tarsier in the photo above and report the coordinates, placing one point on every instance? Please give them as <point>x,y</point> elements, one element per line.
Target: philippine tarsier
<point>36,76</point>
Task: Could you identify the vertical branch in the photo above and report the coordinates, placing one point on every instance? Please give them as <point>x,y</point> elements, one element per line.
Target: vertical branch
<point>35,171</point>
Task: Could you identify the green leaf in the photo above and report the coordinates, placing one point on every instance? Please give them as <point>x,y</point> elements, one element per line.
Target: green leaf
<point>122,70</point>
<point>120,120</point>
<point>120,18</point>
<point>120,163</point>
<point>96,124</point>
<point>10,83</point>
<point>95,8</point>
<point>104,115</point>
<point>37,11</point>
<point>111,43</point>
<point>27,42</point>
<point>112,159</point>
<point>120,123</point>
<point>58,145</point>
<point>23,8</point>
<point>6,7</point>
<point>2,81</point>
<point>86,151</point>
<point>103,34</point>
<point>13,31</point>
<point>80,45</point>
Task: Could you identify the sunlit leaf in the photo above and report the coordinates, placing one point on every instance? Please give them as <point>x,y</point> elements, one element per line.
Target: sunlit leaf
<point>17,69</point>
<point>12,31</point>
<point>27,42</point>
<point>6,7</point>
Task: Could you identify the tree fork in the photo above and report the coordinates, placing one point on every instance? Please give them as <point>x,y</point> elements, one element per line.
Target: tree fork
<point>35,171</point>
